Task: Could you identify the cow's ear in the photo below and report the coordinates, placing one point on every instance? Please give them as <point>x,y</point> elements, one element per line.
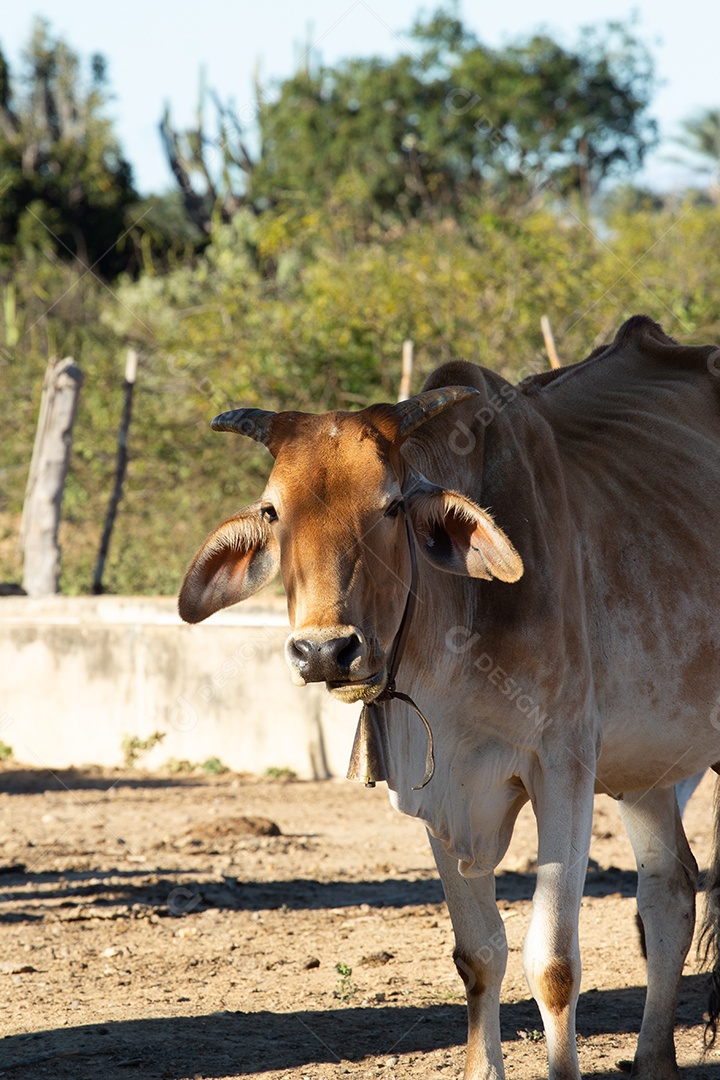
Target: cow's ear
<point>235,561</point>
<point>457,536</point>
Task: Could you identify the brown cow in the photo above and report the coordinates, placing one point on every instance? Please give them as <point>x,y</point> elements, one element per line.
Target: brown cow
<point>572,646</point>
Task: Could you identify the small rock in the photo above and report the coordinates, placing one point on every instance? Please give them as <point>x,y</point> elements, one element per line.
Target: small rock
<point>186,932</point>
<point>205,832</point>
<point>392,1060</point>
<point>311,962</point>
<point>376,959</point>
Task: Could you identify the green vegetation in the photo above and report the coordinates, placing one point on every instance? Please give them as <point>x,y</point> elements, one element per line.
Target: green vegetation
<point>66,187</point>
<point>135,748</point>
<point>532,1035</point>
<point>275,772</point>
<point>212,765</point>
<point>452,195</point>
<point>6,752</point>
<point>347,989</point>
<point>446,121</point>
<point>180,765</point>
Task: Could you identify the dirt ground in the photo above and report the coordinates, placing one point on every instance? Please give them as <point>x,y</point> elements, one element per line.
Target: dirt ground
<point>161,927</point>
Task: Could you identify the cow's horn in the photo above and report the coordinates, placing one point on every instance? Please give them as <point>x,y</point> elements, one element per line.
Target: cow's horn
<point>416,410</point>
<point>255,423</point>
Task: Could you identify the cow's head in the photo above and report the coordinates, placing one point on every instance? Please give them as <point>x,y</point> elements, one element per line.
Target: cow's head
<point>333,520</point>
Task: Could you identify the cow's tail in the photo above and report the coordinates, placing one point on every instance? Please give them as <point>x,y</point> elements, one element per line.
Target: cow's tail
<point>709,944</point>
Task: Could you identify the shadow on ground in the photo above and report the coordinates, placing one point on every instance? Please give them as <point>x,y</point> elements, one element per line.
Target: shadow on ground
<point>239,1043</point>
<point>109,888</point>
<point>32,781</point>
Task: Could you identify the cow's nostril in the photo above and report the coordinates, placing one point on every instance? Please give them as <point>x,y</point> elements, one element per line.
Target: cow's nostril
<point>349,650</point>
<point>302,649</point>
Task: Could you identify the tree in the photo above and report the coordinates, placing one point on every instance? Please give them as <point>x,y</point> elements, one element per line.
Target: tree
<point>568,118</point>
<point>701,137</point>
<point>66,186</point>
<point>442,124</point>
<point>212,171</point>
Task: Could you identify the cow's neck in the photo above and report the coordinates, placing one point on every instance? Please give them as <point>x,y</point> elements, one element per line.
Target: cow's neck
<point>512,469</point>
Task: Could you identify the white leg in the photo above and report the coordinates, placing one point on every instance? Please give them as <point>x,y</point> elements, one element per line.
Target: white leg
<point>667,881</point>
<point>551,955</point>
<point>480,957</point>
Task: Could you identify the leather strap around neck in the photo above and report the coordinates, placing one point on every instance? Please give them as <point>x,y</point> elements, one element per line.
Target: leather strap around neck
<point>402,635</point>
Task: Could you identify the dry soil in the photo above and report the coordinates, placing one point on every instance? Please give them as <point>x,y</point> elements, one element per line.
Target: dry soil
<point>160,926</point>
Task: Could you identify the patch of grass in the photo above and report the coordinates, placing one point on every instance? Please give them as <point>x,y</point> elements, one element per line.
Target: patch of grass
<point>180,765</point>
<point>5,751</point>
<point>532,1036</point>
<point>214,766</point>
<point>279,773</point>
<point>134,748</point>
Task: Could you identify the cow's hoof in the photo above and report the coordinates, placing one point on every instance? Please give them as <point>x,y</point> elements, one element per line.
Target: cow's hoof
<point>665,1070</point>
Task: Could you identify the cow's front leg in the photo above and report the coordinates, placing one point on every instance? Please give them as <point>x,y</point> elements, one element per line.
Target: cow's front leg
<point>480,957</point>
<point>667,880</point>
<point>551,956</point>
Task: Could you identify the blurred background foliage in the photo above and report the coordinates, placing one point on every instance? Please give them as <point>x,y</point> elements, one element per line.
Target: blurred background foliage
<point>451,195</point>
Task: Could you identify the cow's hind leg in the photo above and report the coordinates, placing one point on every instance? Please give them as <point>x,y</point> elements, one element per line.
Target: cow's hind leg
<point>667,881</point>
<point>480,957</point>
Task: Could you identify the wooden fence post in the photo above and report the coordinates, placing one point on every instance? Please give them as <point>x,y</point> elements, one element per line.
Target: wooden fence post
<point>120,469</point>
<point>46,481</point>
<point>549,342</point>
<point>407,370</point>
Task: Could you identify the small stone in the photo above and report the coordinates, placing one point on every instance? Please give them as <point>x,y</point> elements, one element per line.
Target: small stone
<point>376,959</point>
<point>311,962</point>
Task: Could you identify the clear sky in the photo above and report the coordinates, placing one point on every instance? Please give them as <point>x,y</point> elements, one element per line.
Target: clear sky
<point>156,50</point>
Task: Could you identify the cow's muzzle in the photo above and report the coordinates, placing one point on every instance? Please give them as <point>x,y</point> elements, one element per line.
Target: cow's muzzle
<point>337,656</point>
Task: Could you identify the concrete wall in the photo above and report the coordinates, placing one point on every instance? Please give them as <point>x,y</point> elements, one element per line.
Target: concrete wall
<point>78,674</point>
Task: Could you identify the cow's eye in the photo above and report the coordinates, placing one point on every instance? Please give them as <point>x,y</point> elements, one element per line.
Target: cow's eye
<point>269,513</point>
<point>393,508</point>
